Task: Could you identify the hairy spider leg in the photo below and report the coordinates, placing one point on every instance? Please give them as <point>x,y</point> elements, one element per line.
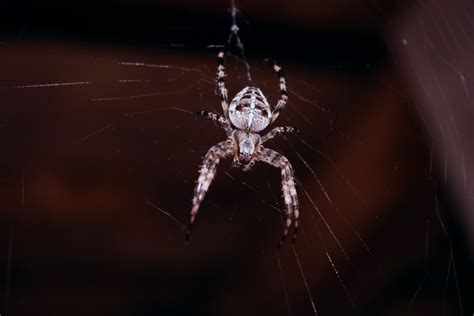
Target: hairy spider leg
<point>283,94</point>
<point>207,173</point>
<point>221,83</point>
<point>277,131</point>
<point>288,188</point>
<point>217,118</point>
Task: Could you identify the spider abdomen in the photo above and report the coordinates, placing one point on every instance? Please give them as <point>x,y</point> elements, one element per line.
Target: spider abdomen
<point>249,110</point>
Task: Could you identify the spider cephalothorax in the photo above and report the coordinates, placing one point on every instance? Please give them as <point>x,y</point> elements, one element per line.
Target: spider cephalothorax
<point>247,143</point>
<point>248,114</point>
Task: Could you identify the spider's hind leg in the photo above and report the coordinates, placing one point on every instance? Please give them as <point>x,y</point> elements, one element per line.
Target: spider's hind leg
<point>221,83</point>
<point>217,118</point>
<point>277,131</point>
<point>283,93</point>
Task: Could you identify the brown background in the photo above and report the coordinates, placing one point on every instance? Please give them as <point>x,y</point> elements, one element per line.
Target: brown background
<point>78,174</point>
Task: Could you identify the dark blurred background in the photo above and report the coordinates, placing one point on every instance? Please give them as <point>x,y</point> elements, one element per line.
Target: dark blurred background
<point>100,154</point>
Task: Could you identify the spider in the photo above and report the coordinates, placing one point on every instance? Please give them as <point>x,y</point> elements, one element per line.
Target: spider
<point>248,114</point>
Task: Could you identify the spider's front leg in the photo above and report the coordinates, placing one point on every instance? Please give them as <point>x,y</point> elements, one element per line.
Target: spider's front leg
<point>288,188</point>
<point>277,131</point>
<point>207,173</point>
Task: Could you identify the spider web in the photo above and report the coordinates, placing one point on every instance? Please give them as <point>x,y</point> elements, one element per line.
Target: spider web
<point>102,149</point>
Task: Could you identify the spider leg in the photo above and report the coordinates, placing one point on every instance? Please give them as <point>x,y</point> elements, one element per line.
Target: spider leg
<point>277,131</point>
<point>288,188</point>
<point>221,83</point>
<point>217,118</point>
<point>207,173</point>
<point>283,94</point>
